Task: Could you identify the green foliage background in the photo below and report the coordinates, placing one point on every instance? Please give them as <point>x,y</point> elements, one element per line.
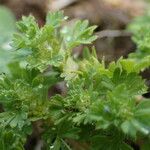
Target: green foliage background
<point>7,28</point>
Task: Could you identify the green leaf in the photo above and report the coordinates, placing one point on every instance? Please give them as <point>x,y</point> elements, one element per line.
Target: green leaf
<point>128,128</point>
<point>70,69</point>
<point>56,145</point>
<point>78,34</point>
<point>7,24</point>
<point>143,113</point>
<point>140,127</point>
<point>7,28</point>
<point>55,19</point>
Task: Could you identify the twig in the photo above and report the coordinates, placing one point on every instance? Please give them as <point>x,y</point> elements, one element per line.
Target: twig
<point>113,33</point>
<point>60,4</point>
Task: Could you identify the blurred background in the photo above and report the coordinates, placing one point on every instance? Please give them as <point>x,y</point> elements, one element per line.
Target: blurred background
<point>110,16</point>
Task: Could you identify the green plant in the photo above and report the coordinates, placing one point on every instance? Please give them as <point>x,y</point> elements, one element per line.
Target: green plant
<point>100,109</point>
<point>140,29</point>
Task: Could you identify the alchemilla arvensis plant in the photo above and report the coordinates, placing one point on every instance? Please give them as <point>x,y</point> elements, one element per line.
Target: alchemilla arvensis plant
<point>100,109</point>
